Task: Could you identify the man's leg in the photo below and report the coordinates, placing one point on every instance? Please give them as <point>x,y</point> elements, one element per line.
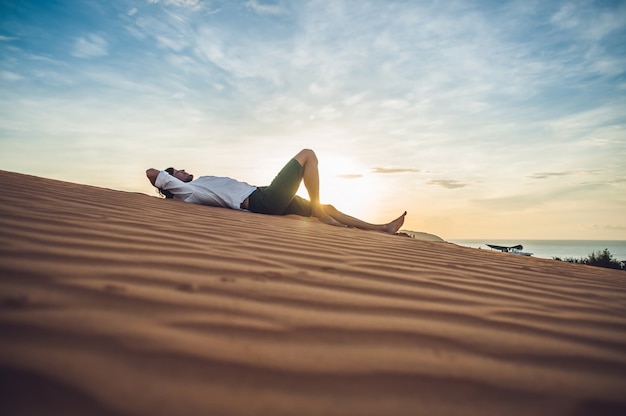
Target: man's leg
<point>311,178</point>
<point>278,196</point>
<point>328,213</point>
<point>390,227</point>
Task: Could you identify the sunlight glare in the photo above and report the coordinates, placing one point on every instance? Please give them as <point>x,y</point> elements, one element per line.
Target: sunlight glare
<point>345,184</point>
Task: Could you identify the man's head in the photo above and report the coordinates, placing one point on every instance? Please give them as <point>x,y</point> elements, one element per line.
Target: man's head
<point>180,174</point>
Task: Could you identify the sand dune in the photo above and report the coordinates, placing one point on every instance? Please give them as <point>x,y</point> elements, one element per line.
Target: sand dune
<point>115,303</point>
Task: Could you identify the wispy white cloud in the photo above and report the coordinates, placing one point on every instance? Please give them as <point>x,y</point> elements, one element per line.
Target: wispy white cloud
<point>190,4</point>
<point>568,173</point>
<point>613,227</point>
<point>10,76</point>
<point>270,9</point>
<point>448,183</point>
<point>395,170</point>
<point>587,22</point>
<point>176,44</point>
<point>90,46</point>
<point>214,11</point>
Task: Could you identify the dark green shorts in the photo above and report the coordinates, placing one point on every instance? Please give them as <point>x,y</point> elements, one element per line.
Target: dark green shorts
<point>280,197</point>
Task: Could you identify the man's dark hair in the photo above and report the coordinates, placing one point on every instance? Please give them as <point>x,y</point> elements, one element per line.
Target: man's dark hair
<point>167,194</point>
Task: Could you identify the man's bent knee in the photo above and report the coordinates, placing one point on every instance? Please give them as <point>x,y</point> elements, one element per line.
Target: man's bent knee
<point>306,156</point>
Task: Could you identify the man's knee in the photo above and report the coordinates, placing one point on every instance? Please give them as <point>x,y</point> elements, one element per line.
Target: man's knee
<point>329,209</point>
<point>306,156</point>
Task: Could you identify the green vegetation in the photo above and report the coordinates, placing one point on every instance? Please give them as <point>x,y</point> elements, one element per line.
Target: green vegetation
<point>600,258</point>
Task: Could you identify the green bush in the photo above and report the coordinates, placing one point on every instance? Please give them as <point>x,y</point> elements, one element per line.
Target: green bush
<point>604,259</point>
<point>600,258</point>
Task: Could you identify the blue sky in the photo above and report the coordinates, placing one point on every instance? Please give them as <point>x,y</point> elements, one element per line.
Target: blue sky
<point>483,119</point>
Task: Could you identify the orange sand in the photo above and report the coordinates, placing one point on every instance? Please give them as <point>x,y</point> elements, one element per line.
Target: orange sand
<point>116,303</point>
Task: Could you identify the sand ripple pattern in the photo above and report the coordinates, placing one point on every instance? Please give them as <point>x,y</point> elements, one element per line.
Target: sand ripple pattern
<point>116,303</point>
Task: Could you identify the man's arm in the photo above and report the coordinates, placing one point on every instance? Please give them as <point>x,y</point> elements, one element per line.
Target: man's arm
<point>152,175</point>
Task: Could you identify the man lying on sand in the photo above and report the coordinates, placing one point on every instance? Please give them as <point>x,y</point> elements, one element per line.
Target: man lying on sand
<point>279,198</point>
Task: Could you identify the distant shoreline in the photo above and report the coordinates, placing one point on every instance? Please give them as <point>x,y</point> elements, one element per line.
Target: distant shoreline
<point>554,248</point>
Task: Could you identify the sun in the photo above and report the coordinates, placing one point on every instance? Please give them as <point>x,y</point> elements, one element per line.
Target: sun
<point>344,184</point>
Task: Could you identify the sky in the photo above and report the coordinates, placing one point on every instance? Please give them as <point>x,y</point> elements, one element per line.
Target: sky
<point>483,119</point>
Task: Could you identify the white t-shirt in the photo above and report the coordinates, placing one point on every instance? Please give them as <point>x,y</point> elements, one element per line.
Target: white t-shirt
<point>207,190</point>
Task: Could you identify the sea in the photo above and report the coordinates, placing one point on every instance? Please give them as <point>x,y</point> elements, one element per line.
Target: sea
<point>549,249</point>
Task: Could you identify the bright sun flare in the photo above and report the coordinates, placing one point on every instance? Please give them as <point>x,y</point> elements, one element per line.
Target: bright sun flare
<point>344,184</point>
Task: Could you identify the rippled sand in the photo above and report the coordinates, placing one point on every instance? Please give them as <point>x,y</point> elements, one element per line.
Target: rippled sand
<point>122,303</point>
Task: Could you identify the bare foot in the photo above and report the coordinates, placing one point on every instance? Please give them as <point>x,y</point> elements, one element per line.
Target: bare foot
<point>394,225</point>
